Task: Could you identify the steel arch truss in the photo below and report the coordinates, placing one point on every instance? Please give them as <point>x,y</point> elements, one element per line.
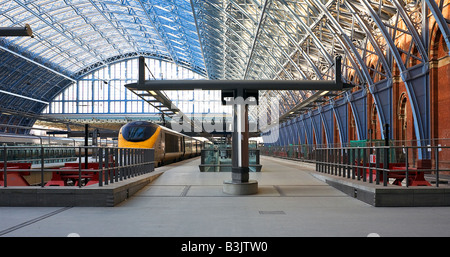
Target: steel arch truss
<point>368,34</point>
<point>246,39</point>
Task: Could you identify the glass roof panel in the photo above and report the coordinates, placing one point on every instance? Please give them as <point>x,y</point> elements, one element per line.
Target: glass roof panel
<point>218,39</point>
<point>92,31</point>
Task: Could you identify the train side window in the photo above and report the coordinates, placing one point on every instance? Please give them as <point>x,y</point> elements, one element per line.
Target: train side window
<point>173,143</point>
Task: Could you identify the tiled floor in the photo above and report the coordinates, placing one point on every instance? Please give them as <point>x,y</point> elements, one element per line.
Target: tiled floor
<point>186,202</point>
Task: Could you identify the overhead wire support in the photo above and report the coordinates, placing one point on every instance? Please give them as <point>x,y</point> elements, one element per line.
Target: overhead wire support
<point>328,85</point>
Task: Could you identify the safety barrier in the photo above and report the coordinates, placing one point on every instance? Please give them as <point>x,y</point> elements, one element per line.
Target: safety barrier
<point>92,165</point>
<point>373,164</point>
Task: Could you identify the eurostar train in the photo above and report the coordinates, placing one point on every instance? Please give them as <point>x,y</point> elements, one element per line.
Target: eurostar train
<point>170,146</point>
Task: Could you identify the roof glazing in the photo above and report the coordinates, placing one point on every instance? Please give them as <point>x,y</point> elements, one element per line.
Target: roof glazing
<point>218,39</point>
<point>75,36</point>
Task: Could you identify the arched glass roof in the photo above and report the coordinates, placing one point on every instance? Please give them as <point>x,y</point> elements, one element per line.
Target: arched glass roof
<point>74,36</point>
<point>219,39</point>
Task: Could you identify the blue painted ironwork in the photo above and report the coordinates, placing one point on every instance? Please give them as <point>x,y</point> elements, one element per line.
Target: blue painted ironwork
<point>416,78</point>
<point>340,109</point>
<point>226,40</point>
<point>307,123</point>
<point>326,114</point>
<point>317,126</point>
<point>440,20</point>
<point>358,103</point>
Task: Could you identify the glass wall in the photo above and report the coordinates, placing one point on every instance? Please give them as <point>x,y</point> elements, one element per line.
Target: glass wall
<point>103,92</point>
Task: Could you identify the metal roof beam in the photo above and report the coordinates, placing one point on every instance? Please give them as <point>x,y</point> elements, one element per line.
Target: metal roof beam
<point>122,33</point>
<point>199,37</point>
<point>38,64</point>
<point>309,29</point>
<point>66,33</point>
<point>255,36</point>
<point>158,31</point>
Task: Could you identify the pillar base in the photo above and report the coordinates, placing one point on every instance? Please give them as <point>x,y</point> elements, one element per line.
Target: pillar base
<point>240,188</point>
<point>240,174</point>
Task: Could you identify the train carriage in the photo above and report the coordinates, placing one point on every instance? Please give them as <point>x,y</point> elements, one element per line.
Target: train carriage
<point>169,145</point>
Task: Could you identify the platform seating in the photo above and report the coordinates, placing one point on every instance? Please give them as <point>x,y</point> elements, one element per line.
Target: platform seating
<point>415,178</point>
<point>60,177</point>
<point>15,178</point>
<point>398,172</point>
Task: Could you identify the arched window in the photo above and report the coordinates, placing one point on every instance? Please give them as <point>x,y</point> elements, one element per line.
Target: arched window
<point>402,117</point>
<point>373,122</point>
<point>103,91</point>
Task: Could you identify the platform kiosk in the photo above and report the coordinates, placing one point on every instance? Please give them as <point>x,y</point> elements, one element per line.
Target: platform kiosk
<point>240,91</point>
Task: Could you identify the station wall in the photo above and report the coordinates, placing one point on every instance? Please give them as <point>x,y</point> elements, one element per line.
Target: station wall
<point>414,100</point>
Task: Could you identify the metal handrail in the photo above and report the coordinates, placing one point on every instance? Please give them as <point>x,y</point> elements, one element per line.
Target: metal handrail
<point>351,163</point>
<point>114,163</point>
<point>385,162</point>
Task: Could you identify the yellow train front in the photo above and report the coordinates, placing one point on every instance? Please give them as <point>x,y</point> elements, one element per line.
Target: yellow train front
<point>169,145</point>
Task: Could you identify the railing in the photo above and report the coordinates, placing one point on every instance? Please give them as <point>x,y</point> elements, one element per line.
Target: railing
<point>298,152</point>
<point>373,164</point>
<point>87,165</point>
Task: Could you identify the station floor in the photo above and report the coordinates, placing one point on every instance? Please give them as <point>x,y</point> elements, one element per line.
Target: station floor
<point>184,202</point>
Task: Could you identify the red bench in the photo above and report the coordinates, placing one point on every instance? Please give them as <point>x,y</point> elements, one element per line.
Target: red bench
<point>61,177</point>
<point>415,178</point>
<point>15,178</point>
<point>398,172</point>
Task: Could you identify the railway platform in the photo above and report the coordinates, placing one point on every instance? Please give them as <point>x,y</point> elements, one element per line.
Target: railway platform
<point>184,202</point>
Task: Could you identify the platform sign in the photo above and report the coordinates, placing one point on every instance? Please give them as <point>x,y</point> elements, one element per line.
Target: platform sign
<point>373,158</point>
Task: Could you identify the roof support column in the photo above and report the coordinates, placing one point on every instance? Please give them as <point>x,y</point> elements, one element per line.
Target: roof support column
<point>240,183</point>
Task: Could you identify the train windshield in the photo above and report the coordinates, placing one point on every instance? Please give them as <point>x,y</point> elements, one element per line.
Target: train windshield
<point>136,132</point>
